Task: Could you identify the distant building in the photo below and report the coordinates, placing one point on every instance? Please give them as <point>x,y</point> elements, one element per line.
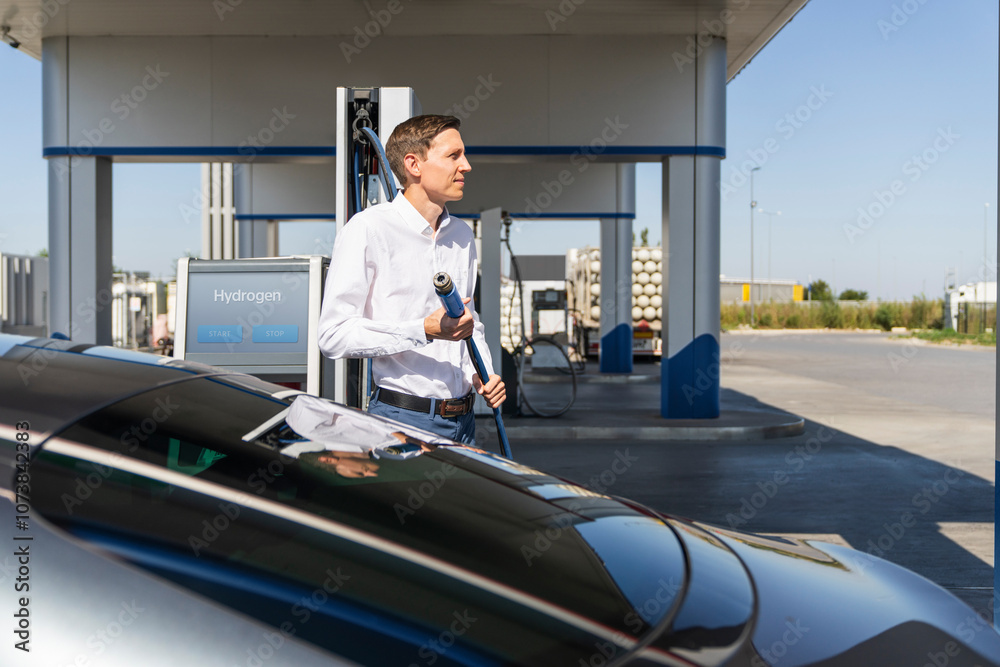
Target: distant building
<point>979,299</point>
<point>138,311</point>
<point>24,295</point>
<point>738,290</point>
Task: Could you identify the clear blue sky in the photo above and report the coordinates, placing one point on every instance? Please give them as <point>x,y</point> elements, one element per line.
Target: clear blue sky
<point>927,90</point>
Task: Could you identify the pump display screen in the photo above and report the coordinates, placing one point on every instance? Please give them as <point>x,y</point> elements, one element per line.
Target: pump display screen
<point>239,312</point>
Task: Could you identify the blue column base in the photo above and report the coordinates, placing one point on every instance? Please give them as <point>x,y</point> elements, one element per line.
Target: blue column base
<point>616,350</point>
<point>689,386</point>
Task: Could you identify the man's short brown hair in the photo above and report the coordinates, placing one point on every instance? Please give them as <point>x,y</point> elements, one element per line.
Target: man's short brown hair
<point>415,136</point>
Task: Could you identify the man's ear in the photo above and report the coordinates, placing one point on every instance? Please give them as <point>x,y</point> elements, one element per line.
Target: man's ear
<point>412,166</point>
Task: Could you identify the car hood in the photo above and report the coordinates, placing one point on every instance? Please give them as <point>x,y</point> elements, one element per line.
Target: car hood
<point>822,604</point>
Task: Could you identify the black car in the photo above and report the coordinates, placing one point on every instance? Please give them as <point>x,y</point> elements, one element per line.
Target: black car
<point>256,525</point>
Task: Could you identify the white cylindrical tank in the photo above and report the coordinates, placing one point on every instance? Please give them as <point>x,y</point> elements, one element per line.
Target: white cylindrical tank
<point>642,301</point>
<point>649,313</point>
<point>636,314</point>
<point>636,266</point>
<point>642,255</point>
<point>642,278</point>
<point>656,301</point>
<point>649,289</point>
<point>636,289</point>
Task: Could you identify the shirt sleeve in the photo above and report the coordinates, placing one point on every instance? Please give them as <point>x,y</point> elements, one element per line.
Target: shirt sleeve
<point>344,331</point>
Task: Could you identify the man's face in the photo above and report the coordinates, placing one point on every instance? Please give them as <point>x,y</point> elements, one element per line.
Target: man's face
<point>442,172</point>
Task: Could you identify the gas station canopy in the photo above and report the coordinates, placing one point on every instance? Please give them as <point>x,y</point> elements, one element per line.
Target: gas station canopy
<point>747,26</point>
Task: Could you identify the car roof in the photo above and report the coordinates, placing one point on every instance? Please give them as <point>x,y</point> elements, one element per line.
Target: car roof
<point>50,383</point>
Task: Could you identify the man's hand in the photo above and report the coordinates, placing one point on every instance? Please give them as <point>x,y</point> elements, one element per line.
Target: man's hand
<point>494,392</point>
<point>438,325</point>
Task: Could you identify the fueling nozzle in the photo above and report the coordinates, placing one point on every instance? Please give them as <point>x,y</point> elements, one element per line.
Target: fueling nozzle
<point>453,305</point>
<point>445,289</point>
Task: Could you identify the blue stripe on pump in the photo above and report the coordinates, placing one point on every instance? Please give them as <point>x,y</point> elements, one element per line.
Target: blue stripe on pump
<point>690,381</point>
<point>616,350</point>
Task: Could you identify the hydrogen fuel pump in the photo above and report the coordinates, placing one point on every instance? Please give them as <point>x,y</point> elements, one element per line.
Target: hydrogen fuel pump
<point>365,119</point>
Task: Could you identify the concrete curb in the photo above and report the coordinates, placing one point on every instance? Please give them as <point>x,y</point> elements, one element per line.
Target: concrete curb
<point>594,379</point>
<point>736,425</point>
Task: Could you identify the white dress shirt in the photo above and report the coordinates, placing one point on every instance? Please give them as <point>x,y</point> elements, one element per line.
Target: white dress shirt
<point>379,289</point>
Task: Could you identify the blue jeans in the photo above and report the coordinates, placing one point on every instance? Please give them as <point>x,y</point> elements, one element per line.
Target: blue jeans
<point>461,429</point>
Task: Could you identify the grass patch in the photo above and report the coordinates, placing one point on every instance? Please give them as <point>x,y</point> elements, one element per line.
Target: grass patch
<point>952,336</point>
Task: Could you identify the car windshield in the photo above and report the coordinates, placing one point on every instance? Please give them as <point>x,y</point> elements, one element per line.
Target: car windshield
<point>534,538</point>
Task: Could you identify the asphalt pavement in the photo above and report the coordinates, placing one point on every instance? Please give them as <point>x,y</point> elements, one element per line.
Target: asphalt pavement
<point>867,440</point>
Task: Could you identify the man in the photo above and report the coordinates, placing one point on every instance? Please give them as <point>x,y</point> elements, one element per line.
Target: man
<point>380,300</point>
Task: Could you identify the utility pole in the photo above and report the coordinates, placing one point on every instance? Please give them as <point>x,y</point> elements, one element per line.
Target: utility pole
<point>753,204</point>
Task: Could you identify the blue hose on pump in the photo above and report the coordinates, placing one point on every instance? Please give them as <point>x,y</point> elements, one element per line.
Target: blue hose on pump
<point>453,305</point>
<point>384,174</point>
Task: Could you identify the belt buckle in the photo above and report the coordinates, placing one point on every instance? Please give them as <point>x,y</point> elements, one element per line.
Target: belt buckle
<point>452,407</point>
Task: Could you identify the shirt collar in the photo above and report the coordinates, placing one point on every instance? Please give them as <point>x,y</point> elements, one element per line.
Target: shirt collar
<point>413,219</point>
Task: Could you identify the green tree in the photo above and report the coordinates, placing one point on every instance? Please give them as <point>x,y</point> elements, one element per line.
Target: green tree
<point>819,291</point>
<point>853,295</point>
<point>644,237</point>
<point>44,252</point>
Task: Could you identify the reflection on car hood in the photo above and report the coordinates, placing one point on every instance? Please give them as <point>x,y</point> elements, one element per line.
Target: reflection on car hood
<point>815,599</point>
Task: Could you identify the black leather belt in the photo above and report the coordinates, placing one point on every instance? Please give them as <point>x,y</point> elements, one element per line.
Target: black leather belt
<point>446,407</point>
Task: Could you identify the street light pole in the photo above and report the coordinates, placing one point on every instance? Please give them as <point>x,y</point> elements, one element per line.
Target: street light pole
<point>770,218</point>
<point>985,272</point>
<point>753,204</point>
